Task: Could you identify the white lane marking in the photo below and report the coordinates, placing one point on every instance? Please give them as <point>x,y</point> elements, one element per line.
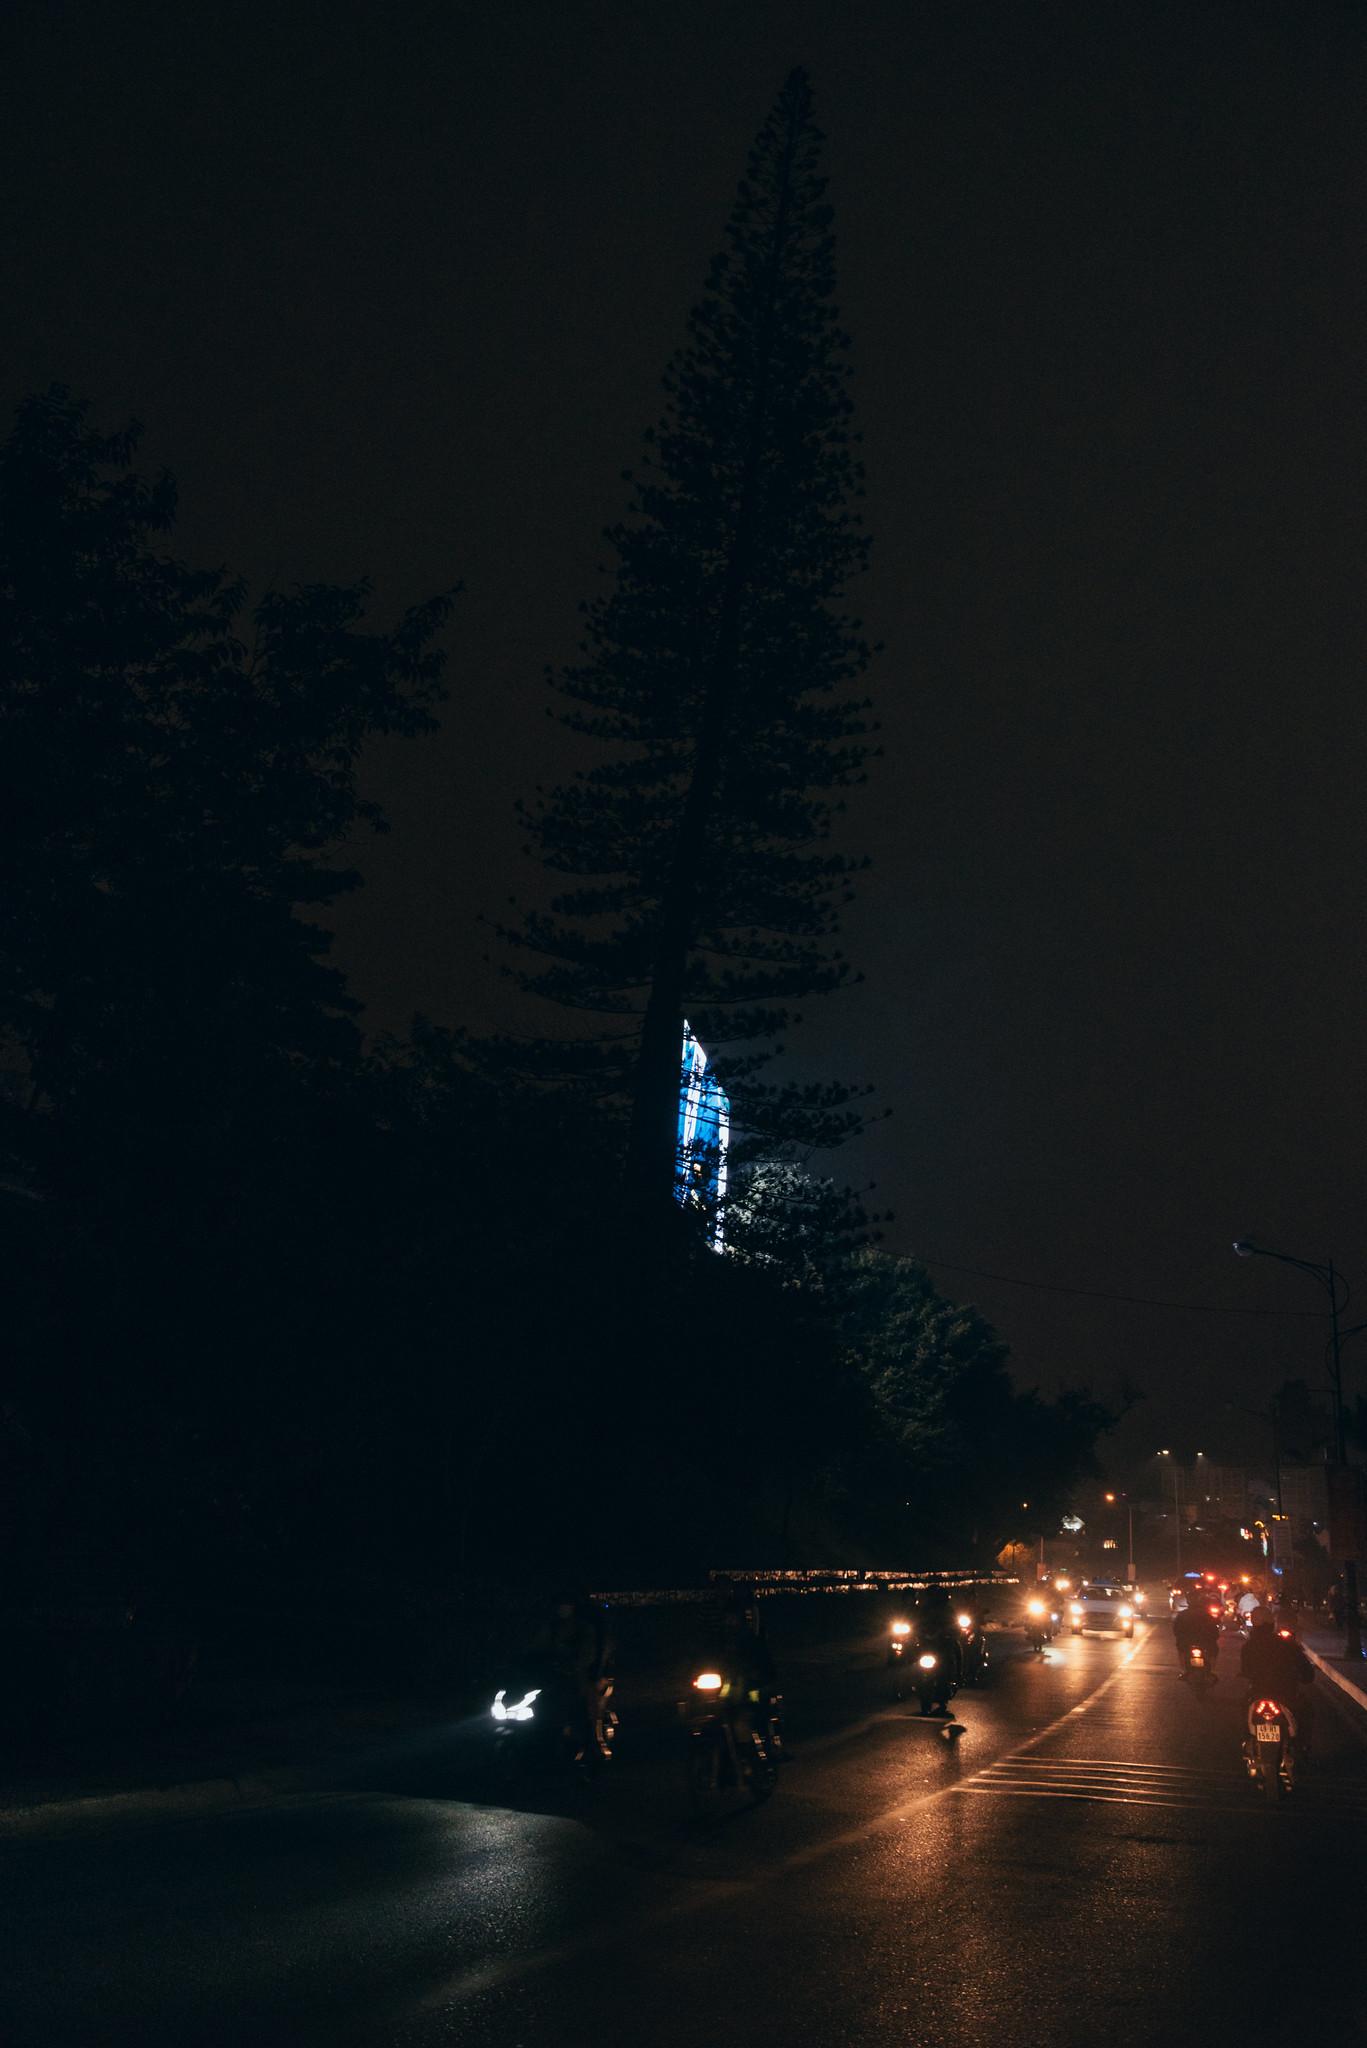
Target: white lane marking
<point>1114,1781</point>
<point>1104,1763</point>
<point>1095,1798</point>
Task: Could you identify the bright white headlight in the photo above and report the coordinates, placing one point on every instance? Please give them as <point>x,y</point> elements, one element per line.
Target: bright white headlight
<point>926,1661</point>
<point>521,1711</point>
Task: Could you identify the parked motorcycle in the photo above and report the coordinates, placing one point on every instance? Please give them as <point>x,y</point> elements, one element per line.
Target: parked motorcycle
<point>1270,1748</point>
<point>733,1745</point>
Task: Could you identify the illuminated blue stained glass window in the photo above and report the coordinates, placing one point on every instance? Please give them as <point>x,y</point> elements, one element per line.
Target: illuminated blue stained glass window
<point>704,1133</point>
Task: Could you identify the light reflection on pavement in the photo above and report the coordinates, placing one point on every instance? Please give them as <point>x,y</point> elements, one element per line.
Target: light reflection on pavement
<point>1087,1860</point>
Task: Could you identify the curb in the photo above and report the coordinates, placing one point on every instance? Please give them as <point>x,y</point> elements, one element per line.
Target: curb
<point>186,1801</point>
<point>1339,1678</point>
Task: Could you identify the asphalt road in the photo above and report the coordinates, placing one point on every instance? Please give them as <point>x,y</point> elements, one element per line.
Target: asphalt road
<point>1086,1863</point>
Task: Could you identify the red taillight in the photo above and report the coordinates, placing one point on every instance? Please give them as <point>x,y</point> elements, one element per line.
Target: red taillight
<point>1269,1707</point>
<point>1285,1634</point>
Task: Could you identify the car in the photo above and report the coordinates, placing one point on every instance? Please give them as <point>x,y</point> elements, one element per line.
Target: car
<point>1100,1608</point>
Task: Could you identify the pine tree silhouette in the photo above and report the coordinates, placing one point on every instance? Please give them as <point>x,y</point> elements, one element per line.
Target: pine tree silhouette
<point>719,676</point>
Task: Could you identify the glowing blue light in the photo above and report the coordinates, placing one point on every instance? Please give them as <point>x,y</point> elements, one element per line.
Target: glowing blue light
<point>704,1134</point>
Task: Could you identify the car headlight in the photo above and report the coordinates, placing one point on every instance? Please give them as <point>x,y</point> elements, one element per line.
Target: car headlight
<point>1075,1611</point>
<point>926,1661</point>
<point>901,1628</point>
<point>707,1681</point>
<point>965,1622</point>
<point>1126,1613</point>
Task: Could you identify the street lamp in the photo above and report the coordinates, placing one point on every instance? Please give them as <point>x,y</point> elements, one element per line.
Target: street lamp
<point>1176,1508</point>
<point>1329,1280</point>
<point>1113,1500</point>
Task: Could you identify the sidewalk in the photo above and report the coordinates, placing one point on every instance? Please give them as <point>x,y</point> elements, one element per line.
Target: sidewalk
<point>1325,1650</point>
<point>213,1759</point>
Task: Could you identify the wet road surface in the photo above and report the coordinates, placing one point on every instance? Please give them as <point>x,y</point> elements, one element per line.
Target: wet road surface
<point>1086,1862</point>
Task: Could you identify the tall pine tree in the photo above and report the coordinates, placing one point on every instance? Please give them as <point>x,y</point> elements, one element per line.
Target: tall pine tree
<point>718,675</point>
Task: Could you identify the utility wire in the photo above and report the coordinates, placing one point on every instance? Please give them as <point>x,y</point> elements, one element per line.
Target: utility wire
<point>1196,1308</point>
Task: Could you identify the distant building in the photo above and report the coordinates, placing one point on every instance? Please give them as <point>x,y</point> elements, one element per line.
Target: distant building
<point>1305,1493</point>
<point>1219,1492</point>
<point>704,1135</point>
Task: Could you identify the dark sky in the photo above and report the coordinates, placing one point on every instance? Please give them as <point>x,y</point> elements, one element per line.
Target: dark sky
<point>392,286</point>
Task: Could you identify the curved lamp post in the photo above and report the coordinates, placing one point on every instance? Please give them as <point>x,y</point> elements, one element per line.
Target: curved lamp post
<point>1330,1280</point>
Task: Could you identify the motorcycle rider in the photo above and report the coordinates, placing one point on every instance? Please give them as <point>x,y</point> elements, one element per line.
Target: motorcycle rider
<point>1195,1628</point>
<point>749,1678</point>
<point>575,1638</point>
<point>1274,1666</point>
<point>938,1630</point>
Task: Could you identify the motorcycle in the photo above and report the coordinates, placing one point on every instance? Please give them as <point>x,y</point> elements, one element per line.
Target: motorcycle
<point>975,1652</point>
<point>933,1680</point>
<point>900,1647</point>
<point>1270,1748</point>
<point>540,1724</point>
<point>724,1756</point>
<point>1196,1666</point>
<point>1042,1622</point>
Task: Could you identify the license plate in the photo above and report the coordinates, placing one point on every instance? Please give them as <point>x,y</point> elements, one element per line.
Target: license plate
<point>1268,1731</point>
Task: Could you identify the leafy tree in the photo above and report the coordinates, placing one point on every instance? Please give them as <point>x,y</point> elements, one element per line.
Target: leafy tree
<point>796,1224</point>
<point>969,1447</point>
<point>716,679</point>
<point>194,1164</point>
<point>171,798</point>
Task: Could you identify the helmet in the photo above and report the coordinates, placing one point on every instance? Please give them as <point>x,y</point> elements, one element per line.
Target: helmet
<point>1261,1617</point>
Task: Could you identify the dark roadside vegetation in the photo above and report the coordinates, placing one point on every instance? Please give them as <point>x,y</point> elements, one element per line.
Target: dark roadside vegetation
<point>326,1356</point>
<point>321,1350</point>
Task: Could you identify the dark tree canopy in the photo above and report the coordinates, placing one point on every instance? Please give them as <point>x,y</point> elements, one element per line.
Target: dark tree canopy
<point>172,793</point>
<point>717,683</point>
<point>970,1448</point>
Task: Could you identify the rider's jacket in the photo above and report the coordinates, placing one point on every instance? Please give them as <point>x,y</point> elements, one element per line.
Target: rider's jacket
<point>1196,1627</point>
<point>1274,1664</point>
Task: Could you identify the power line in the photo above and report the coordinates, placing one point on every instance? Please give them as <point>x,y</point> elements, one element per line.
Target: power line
<point>1196,1308</point>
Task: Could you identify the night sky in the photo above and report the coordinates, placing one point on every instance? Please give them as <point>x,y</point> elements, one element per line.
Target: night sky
<point>393,285</point>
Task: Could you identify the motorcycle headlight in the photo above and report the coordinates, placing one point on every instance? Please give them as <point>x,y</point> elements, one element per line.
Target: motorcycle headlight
<point>1036,1610</point>
<point>521,1710</point>
<point>965,1622</point>
<point>926,1661</point>
<point>707,1681</point>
